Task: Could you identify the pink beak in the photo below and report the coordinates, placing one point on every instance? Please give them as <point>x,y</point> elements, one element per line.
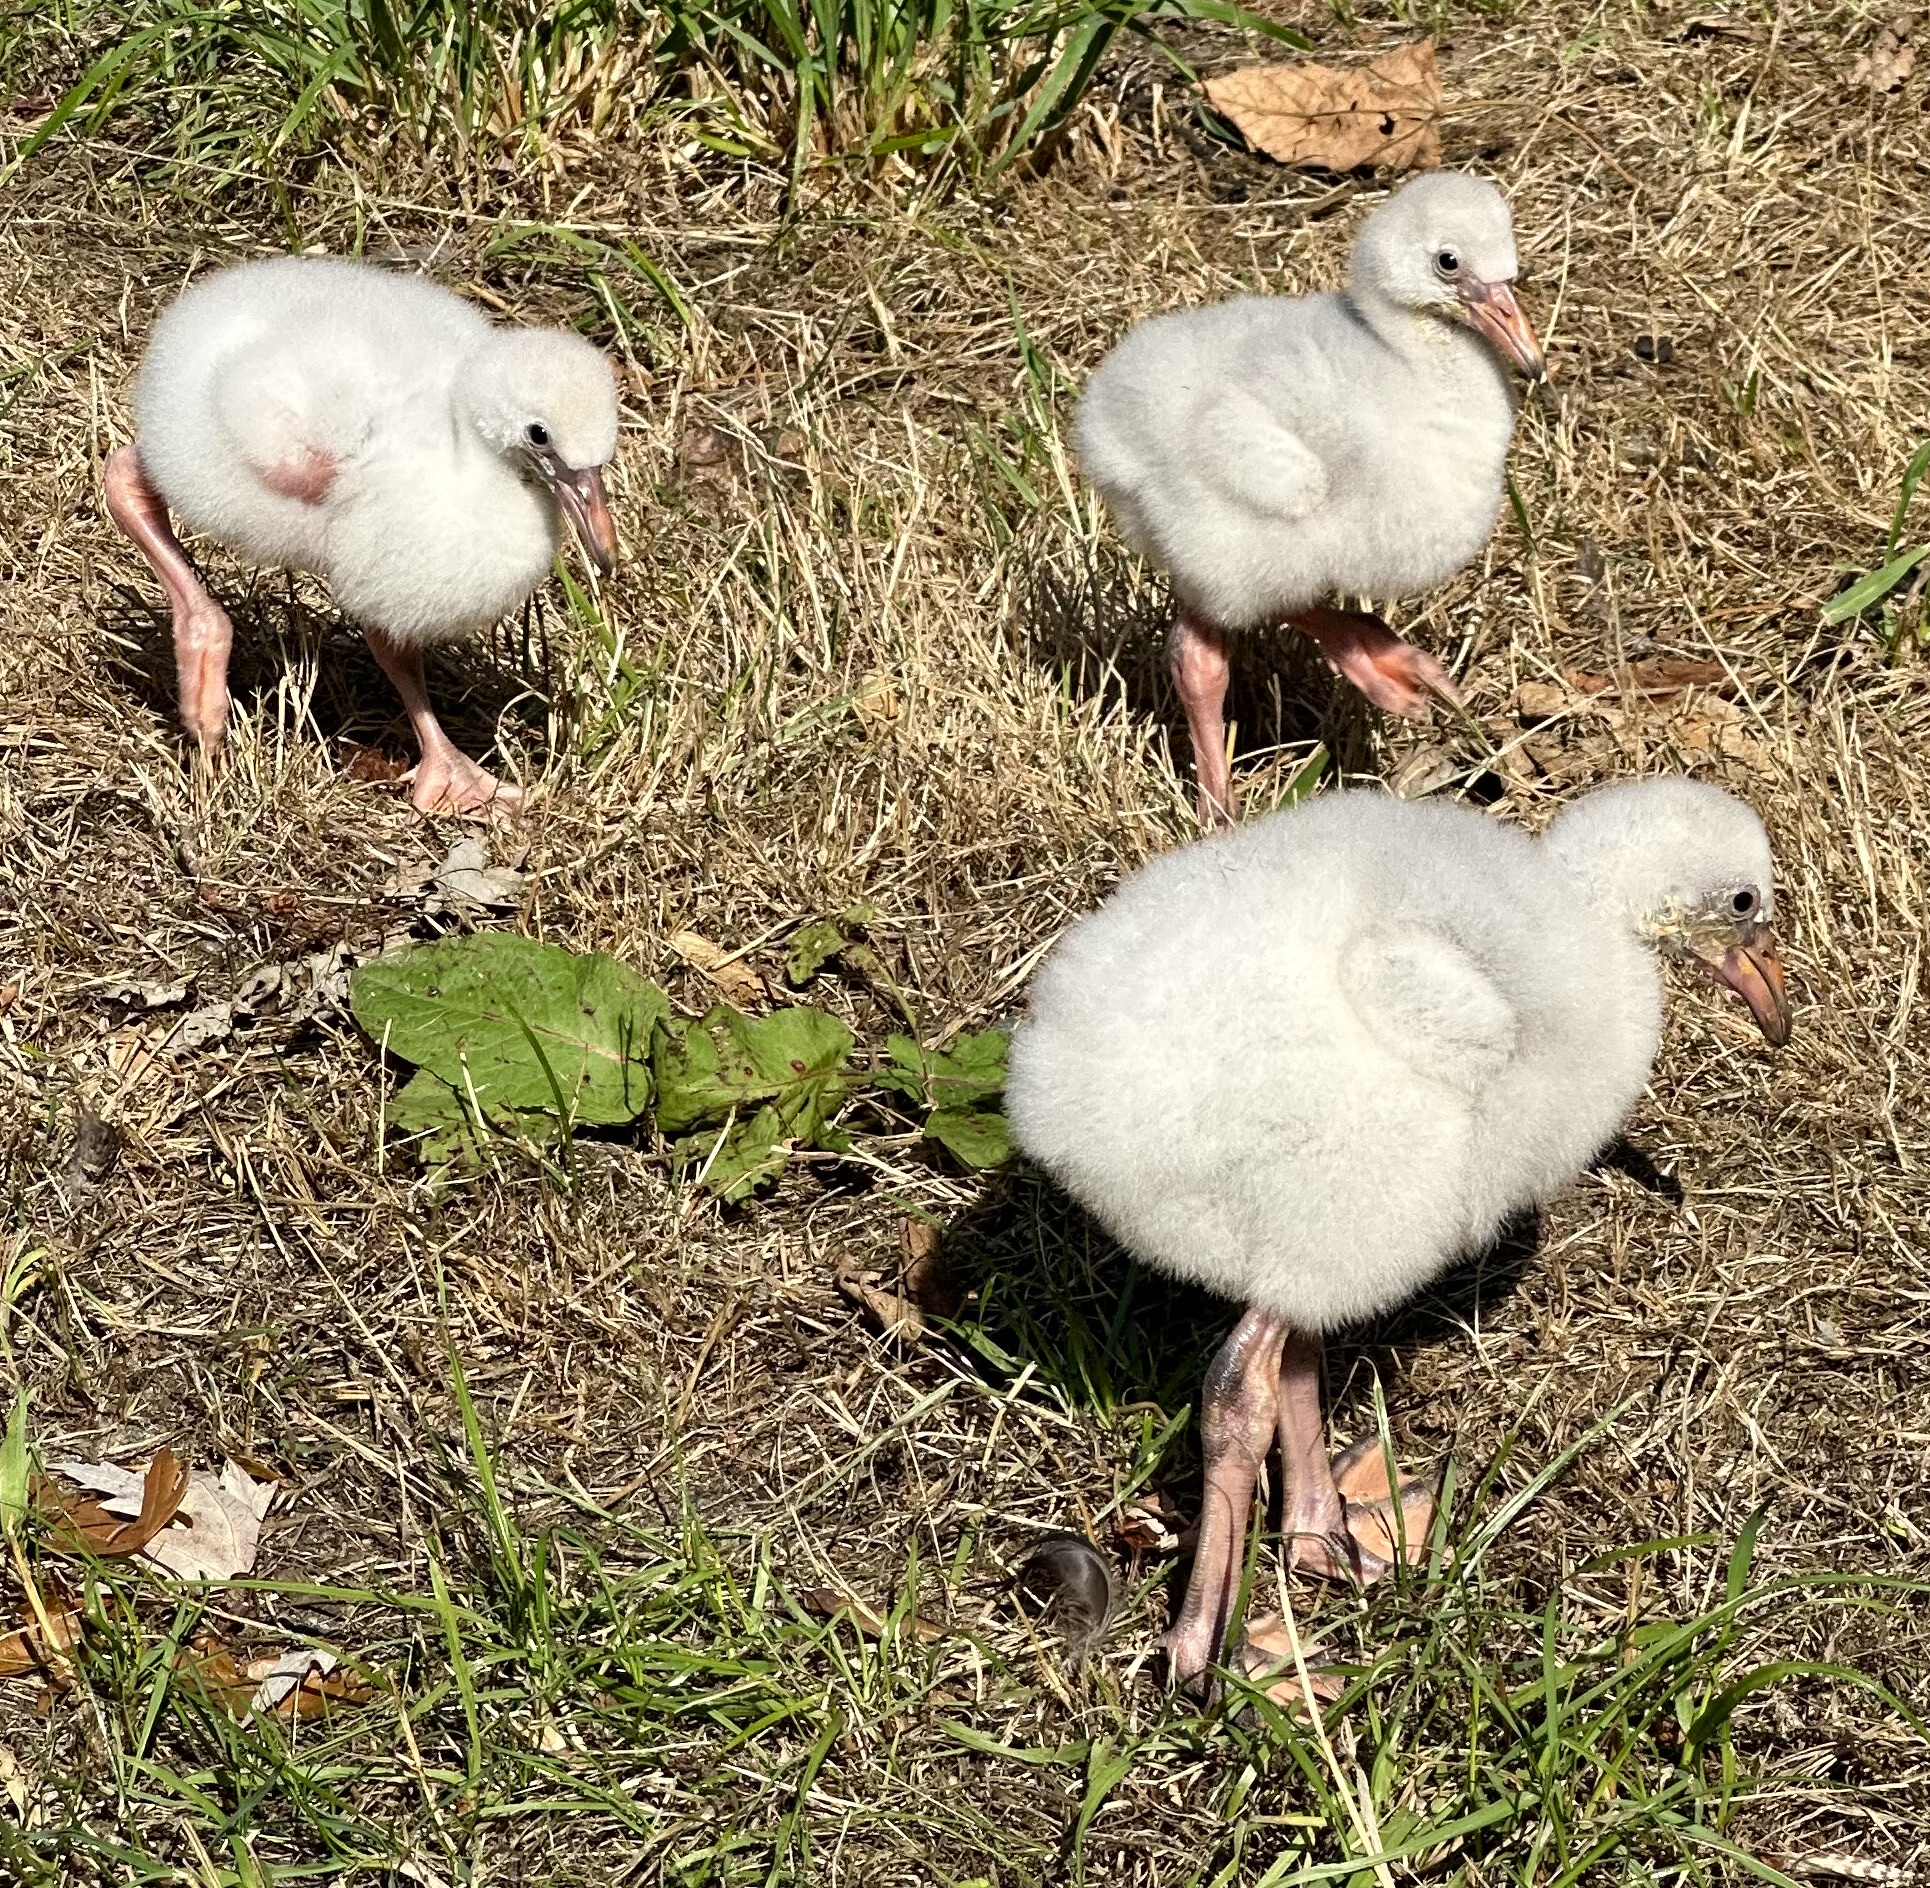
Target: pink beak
<point>580,492</point>
<point>1753,968</point>
<point>1492,310</point>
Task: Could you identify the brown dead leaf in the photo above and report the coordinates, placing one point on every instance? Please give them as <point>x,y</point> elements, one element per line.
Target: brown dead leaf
<point>131,1054</point>
<point>735,978</point>
<point>877,704</point>
<point>827,1602</point>
<point>1425,771</point>
<point>1889,62</point>
<point>374,766</point>
<point>223,1532</point>
<point>212,1532</point>
<point>217,1674</point>
<point>1657,679</point>
<point>927,1273</point>
<point>1385,113</point>
<point>1698,722</point>
<point>710,470</point>
<point>894,1316</point>
<point>467,873</point>
<point>92,1527</point>
<point>1149,1525</point>
<point>303,1685</point>
<point>28,1649</point>
<point>1652,678</point>
<point>1720,26</point>
<point>1267,1654</point>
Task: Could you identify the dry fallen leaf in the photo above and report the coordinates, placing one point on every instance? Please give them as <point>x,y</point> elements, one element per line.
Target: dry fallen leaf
<point>707,456</point>
<point>303,1685</point>
<point>212,1022</point>
<point>26,1812</point>
<point>1425,771</point>
<point>1267,1654</point>
<point>1654,677</point>
<point>28,1649</point>
<point>877,704</point>
<point>894,1316</point>
<point>1719,26</point>
<point>213,1532</point>
<point>1319,117</point>
<point>145,996</point>
<point>928,1274</point>
<point>1666,703</point>
<point>1149,1525</point>
<point>374,767</point>
<point>142,1506</point>
<point>1890,60</point>
<point>467,873</point>
<point>223,1534</point>
<point>738,981</point>
<point>827,1602</point>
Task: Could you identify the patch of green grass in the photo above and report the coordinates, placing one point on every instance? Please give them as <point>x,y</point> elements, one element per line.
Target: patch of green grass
<point>1879,587</point>
<point>242,82</point>
<point>574,1694</point>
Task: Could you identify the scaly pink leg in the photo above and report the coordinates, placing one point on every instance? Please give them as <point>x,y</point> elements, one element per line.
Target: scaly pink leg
<point>1392,674</point>
<point>203,634</point>
<point>1197,661</point>
<point>1340,1519</point>
<point>1237,1412</point>
<point>446,779</point>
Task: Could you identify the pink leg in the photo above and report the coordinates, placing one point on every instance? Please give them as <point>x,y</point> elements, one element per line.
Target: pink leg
<point>1392,674</point>
<point>1237,1411</point>
<point>1340,1519</point>
<point>446,779</point>
<point>203,634</point>
<point>1196,658</point>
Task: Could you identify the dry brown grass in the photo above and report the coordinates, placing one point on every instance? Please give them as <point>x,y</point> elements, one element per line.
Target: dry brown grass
<point>258,1276</point>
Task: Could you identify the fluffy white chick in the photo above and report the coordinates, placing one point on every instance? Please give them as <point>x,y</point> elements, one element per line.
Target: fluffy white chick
<point>1312,1063</point>
<point>317,414</point>
<point>1274,454</point>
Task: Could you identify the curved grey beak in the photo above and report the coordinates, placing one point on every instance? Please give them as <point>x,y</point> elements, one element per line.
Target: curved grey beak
<point>1491,310</point>
<point>579,490</point>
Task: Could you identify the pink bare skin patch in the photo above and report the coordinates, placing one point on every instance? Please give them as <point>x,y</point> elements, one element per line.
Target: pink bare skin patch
<point>307,476</point>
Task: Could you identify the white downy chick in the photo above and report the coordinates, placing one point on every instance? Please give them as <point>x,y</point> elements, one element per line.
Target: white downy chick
<point>376,429</point>
<point>1274,454</point>
<point>1312,1063</point>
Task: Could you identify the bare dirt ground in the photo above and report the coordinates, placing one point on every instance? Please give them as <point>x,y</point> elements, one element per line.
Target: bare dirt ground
<point>873,641</point>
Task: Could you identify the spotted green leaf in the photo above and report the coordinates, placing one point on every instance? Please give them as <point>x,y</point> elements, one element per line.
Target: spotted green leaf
<point>518,1024</point>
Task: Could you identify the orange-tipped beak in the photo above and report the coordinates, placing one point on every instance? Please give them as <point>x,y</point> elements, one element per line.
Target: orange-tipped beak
<point>580,493</point>
<point>1753,969</point>
<point>1493,311</point>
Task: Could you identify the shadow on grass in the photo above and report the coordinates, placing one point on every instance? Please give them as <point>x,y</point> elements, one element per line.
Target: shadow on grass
<point>478,686</point>
<point>1099,631</point>
<point>1055,1293</point>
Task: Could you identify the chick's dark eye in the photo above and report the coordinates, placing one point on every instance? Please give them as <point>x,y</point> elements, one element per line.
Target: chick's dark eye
<point>1743,903</point>
<point>538,435</point>
<point>1448,262</point>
